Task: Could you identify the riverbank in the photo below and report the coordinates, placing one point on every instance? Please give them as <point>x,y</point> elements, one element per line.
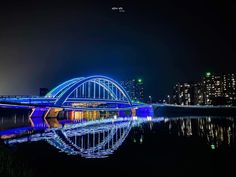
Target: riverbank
<point>176,110</point>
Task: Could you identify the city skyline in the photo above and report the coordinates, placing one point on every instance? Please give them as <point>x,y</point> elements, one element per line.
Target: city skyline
<point>211,89</point>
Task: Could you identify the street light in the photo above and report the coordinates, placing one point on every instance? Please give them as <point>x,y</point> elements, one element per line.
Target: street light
<point>168,99</point>
<point>150,99</point>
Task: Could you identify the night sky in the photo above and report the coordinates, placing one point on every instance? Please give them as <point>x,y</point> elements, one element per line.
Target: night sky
<point>163,42</point>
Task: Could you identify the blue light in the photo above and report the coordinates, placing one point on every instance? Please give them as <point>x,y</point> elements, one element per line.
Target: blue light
<point>60,95</point>
<point>66,92</point>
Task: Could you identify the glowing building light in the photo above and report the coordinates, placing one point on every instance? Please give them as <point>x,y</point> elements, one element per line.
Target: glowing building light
<point>115,116</point>
<point>141,140</point>
<point>208,74</point>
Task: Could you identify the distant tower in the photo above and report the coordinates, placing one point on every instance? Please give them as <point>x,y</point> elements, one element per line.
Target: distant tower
<point>197,93</point>
<point>134,88</point>
<point>181,94</point>
<point>212,87</point>
<point>129,86</point>
<point>43,91</point>
<point>229,86</point>
<point>139,90</point>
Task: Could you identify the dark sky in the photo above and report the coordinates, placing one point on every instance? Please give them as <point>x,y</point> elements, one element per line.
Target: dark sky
<point>43,43</point>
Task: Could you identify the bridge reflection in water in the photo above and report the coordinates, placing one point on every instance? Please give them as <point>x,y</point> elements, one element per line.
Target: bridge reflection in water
<point>91,139</point>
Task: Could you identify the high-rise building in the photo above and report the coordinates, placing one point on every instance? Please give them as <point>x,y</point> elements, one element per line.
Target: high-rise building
<point>229,87</point>
<point>212,87</point>
<point>43,91</point>
<point>134,88</point>
<point>220,88</point>
<point>129,86</point>
<point>139,93</point>
<point>196,94</point>
<point>181,94</point>
<point>187,94</point>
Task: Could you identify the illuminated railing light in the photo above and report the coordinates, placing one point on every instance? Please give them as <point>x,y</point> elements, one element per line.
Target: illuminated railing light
<point>149,118</point>
<point>135,118</point>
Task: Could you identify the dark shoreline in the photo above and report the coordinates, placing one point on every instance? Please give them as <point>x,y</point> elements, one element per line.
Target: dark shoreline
<point>173,111</point>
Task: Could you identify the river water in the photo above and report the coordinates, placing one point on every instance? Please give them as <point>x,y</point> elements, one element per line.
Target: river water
<point>161,146</point>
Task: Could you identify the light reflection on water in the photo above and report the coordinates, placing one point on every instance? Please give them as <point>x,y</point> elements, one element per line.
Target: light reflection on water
<point>178,146</point>
<point>89,139</point>
<point>216,131</point>
<point>100,138</point>
<point>14,120</point>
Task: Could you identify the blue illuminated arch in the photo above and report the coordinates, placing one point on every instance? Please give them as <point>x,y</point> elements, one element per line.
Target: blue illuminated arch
<point>64,90</point>
<point>57,90</point>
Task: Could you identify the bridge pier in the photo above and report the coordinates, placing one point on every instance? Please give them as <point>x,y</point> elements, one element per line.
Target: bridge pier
<point>37,117</point>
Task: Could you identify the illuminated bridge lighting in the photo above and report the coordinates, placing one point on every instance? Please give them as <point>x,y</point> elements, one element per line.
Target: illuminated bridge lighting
<point>93,139</point>
<point>85,92</point>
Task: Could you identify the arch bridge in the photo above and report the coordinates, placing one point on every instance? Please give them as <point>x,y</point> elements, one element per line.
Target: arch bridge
<point>82,92</point>
<point>93,91</point>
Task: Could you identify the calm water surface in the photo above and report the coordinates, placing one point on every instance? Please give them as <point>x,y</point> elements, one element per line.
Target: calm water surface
<point>178,146</point>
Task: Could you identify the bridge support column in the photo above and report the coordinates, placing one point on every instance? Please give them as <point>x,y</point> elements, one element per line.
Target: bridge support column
<point>54,112</point>
<point>133,112</point>
<point>50,117</point>
<point>37,117</point>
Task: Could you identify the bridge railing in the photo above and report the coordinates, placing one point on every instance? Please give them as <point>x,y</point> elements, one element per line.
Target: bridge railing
<point>18,96</point>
